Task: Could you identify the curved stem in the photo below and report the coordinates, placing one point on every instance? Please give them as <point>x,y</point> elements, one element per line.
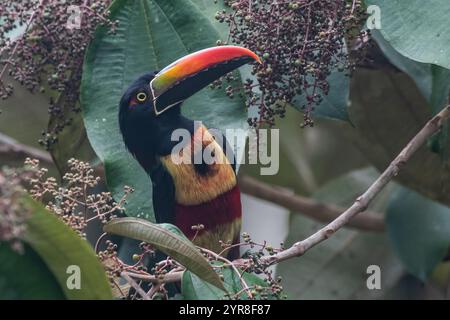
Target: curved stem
<point>235,269</point>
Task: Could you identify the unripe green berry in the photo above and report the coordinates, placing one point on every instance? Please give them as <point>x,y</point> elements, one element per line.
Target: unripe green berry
<point>136,257</point>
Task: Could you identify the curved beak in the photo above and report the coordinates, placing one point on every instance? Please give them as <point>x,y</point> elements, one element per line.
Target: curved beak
<point>186,76</point>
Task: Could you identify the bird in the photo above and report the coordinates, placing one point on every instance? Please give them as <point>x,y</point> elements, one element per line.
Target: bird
<point>201,199</point>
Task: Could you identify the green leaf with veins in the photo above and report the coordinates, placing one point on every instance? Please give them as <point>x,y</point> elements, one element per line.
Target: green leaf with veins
<point>194,288</point>
<point>419,230</point>
<point>168,239</point>
<point>416,30</point>
<point>60,247</point>
<point>25,276</point>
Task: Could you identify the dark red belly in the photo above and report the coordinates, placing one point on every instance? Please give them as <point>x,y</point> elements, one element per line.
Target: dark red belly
<point>222,210</point>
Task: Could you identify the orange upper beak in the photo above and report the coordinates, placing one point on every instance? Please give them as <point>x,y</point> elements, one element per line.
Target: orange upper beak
<point>184,77</point>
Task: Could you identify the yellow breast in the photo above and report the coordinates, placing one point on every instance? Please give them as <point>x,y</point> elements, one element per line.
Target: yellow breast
<point>192,188</point>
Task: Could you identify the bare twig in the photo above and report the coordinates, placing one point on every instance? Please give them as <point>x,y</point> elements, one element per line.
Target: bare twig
<point>228,262</point>
<point>136,286</point>
<point>370,221</point>
<point>9,145</point>
<point>154,289</point>
<point>99,240</point>
<point>361,203</point>
<point>174,276</point>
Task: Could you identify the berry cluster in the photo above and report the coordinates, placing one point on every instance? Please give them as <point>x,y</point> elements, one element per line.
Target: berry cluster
<point>300,42</point>
<point>75,201</point>
<point>48,56</point>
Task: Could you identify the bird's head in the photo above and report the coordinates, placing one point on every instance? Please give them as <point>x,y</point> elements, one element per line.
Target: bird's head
<point>152,103</point>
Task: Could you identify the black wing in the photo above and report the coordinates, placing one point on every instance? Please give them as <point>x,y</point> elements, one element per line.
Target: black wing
<point>163,195</point>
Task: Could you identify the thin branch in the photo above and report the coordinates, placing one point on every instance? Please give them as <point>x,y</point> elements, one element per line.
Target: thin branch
<point>370,221</point>
<point>154,289</point>
<point>362,202</point>
<point>228,262</point>
<point>10,146</point>
<point>168,277</point>
<point>99,240</point>
<point>134,284</point>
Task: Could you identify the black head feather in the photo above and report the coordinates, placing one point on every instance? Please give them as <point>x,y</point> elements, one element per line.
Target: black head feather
<point>145,134</point>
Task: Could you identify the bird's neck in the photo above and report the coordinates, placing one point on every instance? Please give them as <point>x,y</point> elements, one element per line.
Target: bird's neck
<point>153,140</point>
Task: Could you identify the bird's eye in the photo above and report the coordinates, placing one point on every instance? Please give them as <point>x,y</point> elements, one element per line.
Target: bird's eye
<point>141,96</point>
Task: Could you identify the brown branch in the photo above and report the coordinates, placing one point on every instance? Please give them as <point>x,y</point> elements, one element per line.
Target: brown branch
<point>135,285</point>
<point>174,276</point>
<point>362,202</point>
<point>370,221</point>
<point>15,149</point>
<point>154,289</point>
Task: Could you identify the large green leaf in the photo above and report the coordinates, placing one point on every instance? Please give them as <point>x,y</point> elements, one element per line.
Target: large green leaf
<point>387,111</point>
<point>336,268</point>
<point>209,9</point>
<point>416,29</point>
<point>151,34</point>
<point>171,243</point>
<point>334,104</point>
<point>25,276</point>
<point>419,230</point>
<point>432,81</point>
<point>60,247</point>
<point>194,288</point>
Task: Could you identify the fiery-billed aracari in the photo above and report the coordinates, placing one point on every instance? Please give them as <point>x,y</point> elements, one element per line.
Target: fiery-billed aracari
<point>184,194</point>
